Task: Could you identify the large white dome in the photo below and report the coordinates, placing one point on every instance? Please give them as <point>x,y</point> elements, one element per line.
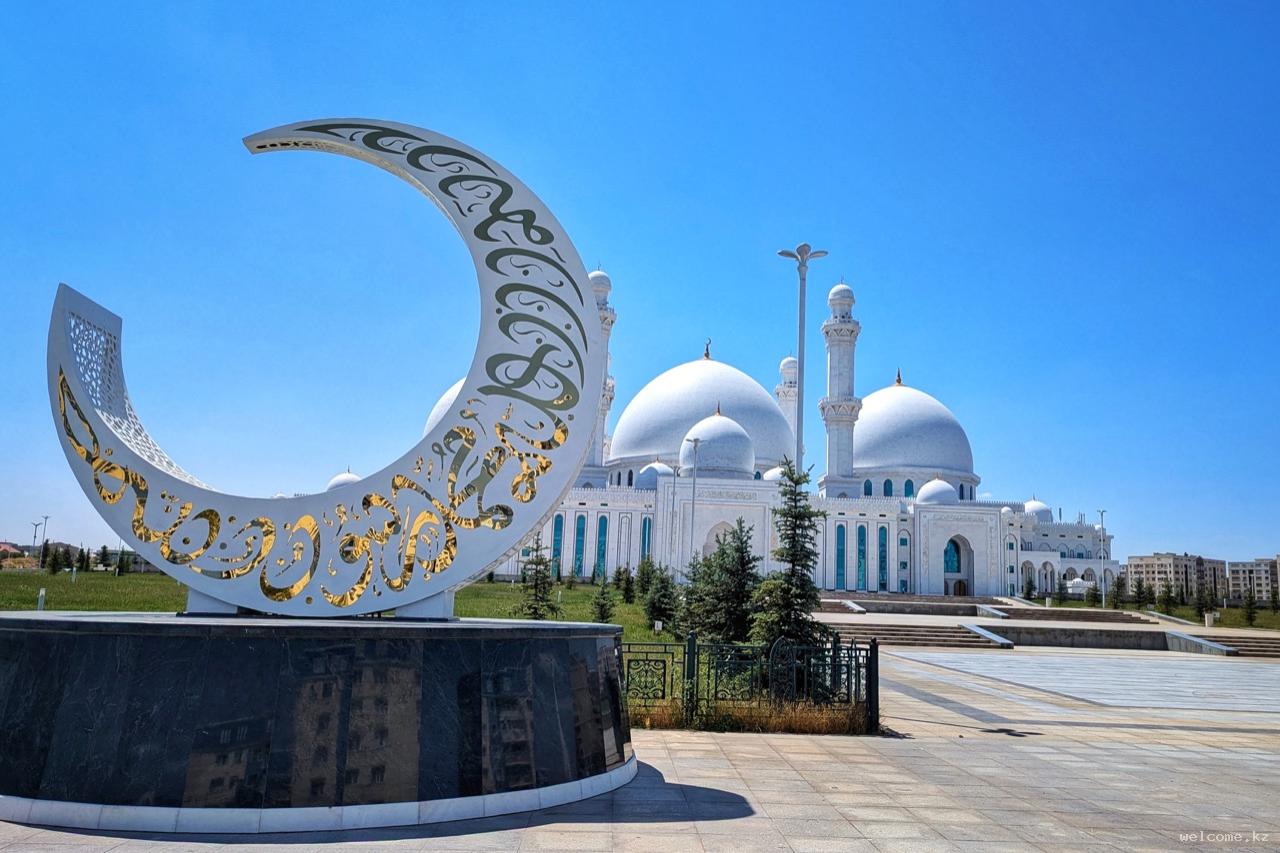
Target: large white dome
<point>900,428</point>
<point>441,408</point>
<point>723,449</point>
<point>655,422</point>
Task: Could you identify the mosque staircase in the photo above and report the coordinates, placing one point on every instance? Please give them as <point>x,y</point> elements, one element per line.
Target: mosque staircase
<point>1248,645</point>
<point>947,636</point>
<point>1076,614</point>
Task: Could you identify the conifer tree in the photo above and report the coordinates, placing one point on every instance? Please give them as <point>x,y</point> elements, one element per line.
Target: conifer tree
<point>104,556</point>
<point>629,587</point>
<point>718,598</point>
<point>1139,593</point>
<point>645,572</point>
<point>1250,606</point>
<point>663,600</point>
<point>1060,592</point>
<point>536,586</point>
<point>1092,597</point>
<point>1166,599</point>
<point>1275,599</point>
<point>602,603</point>
<point>785,601</point>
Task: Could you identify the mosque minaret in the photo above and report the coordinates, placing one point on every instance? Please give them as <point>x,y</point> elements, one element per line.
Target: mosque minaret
<point>899,490</point>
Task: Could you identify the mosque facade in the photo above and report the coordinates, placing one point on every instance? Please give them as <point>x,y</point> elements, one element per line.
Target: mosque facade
<point>700,447</point>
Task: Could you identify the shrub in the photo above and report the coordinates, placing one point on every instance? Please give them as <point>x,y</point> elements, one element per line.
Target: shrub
<point>602,604</point>
<point>663,600</point>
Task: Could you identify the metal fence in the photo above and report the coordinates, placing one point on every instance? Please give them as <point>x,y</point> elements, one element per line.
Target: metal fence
<point>706,677</point>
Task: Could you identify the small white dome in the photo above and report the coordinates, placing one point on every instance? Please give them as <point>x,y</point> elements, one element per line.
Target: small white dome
<point>789,367</point>
<point>649,474</point>
<point>773,475</point>
<point>841,296</point>
<point>937,492</point>
<point>723,449</point>
<point>442,406</point>
<point>342,479</point>
<point>1039,509</point>
<point>657,419</point>
<point>601,285</point>
<point>1004,510</point>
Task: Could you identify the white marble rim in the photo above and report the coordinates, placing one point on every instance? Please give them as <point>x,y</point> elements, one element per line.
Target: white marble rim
<point>69,815</point>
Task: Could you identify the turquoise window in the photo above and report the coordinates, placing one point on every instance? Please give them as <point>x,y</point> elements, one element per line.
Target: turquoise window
<point>602,544</point>
<point>866,488</point>
<point>646,530</point>
<point>951,557</point>
<point>840,547</point>
<point>882,558</point>
<point>888,488</point>
<point>579,543</point>
<point>862,554</point>
<point>557,543</point>
<point>903,542</point>
<point>909,489</point>
<point>1010,545</point>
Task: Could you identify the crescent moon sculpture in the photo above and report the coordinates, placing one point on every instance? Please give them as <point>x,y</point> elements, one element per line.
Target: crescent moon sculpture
<point>404,538</point>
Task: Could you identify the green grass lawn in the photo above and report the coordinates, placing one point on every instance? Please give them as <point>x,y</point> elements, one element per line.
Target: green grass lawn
<point>1233,617</point>
<point>91,591</point>
<point>499,600</point>
<point>159,592</point>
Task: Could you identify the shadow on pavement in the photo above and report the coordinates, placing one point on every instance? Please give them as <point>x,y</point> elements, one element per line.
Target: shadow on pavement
<point>648,798</point>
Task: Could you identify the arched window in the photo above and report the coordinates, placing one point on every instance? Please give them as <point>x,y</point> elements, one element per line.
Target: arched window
<point>646,531</point>
<point>882,558</point>
<point>579,543</point>
<point>557,543</point>
<point>840,548</point>
<point>888,488</point>
<point>631,478</point>
<point>962,491</point>
<point>909,489</point>
<point>862,554</point>
<point>866,488</point>
<point>756,476</point>
<point>602,546</point>
<point>951,557</point>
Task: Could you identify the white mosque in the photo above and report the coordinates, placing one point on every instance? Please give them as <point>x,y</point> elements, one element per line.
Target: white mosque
<point>900,491</point>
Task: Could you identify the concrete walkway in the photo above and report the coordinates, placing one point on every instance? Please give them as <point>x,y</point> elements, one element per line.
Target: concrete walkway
<point>1038,749</point>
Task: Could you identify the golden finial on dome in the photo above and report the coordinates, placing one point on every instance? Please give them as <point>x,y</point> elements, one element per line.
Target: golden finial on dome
<point>706,351</point>
<point>898,381</point>
<point>717,407</point>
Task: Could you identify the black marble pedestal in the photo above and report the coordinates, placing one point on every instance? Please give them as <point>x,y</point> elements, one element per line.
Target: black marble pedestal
<point>232,723</point>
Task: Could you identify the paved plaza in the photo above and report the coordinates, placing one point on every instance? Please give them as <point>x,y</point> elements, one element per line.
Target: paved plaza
<point>1050,750</point>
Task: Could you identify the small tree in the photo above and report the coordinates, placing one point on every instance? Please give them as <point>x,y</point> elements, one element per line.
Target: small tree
<point>602,604</point>
<point>1028,587</point>
<point>1250,606</point>
<point>1092,597</point>
<point>662,601</point>
<point>785,601</point>
<point>536,586</point>
<point>1060,591</point>
<point>571,580</point>
<point>104,557</point>
<point>1139,592</point>
<point>645,572</point>
<point>629,587</point>
<point>1275,599</point>
<point>1202,602</point>
<point>1166,599</point>
<point>718,596</point>
<point>46,554</point>
<point>618,572</point>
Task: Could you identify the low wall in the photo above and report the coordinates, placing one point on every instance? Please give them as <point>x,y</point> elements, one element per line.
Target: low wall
<point>917,608</point>
<point>1080,638</point>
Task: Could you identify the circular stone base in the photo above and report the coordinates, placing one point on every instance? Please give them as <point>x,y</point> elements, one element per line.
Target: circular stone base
<point>239,724</point>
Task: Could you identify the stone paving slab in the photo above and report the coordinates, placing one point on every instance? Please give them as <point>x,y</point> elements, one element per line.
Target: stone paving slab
<point>1020,757</point>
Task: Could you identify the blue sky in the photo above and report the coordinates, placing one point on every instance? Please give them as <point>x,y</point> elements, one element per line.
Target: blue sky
<point>1061,219</point>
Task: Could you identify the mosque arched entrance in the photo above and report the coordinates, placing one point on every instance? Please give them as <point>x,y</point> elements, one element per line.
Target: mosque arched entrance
<point>957,566</point>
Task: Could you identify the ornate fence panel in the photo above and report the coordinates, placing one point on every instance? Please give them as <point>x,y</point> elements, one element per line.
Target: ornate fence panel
<point>695,679</point>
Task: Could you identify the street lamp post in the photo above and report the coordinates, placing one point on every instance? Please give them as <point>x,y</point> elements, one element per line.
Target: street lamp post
<point>1102,545</point>
<point>802,254</point>
<point>43,541</point>
<point>693,500</point>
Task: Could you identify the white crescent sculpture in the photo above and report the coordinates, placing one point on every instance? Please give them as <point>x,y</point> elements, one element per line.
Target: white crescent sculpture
<point>466,495</point>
